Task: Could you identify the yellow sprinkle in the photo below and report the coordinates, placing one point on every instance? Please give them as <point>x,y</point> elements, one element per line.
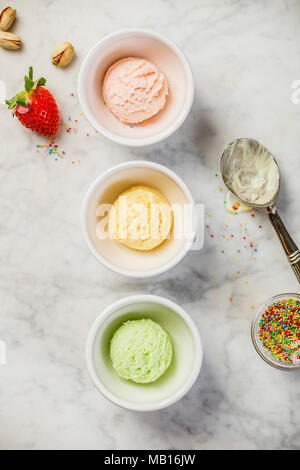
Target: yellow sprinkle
<point>246,282</point>
<point>235,276</point>
<point>208,214</point>
<point>78,161</point>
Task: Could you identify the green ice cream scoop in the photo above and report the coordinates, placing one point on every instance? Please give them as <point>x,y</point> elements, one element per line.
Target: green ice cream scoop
<point>141,350</point>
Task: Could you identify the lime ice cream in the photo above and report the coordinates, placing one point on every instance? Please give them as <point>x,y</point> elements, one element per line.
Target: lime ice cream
<point>141,350</point>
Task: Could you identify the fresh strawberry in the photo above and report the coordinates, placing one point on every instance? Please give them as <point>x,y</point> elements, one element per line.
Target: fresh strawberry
<point>35,107</point>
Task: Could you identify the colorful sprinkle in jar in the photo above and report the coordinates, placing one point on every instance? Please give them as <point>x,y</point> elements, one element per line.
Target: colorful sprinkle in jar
<point>276,331</point>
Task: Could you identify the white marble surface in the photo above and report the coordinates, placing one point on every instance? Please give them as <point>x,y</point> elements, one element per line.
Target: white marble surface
<point>245,56</point>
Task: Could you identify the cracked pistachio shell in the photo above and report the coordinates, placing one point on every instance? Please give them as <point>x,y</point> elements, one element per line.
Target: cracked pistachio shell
<point>9,40</point>
<point>7,16</point>
<point>63,54</point>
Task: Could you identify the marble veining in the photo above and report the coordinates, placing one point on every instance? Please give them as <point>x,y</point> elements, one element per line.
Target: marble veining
<point>245,56</point>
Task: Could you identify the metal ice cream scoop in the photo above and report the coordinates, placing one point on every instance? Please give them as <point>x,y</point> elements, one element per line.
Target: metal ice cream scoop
<point>231,164</point>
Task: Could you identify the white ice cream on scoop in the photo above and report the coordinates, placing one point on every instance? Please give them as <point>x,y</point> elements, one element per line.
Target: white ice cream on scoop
<point>253,174</point>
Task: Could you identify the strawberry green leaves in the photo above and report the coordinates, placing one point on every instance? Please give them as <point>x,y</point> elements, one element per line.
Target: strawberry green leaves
<point>41,81</point>
<point>30,86</point>
<point>29,80</point>
<point>20,98</point>
<point>28,83</point>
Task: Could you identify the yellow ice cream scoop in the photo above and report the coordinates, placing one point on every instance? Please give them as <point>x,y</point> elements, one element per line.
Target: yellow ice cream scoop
<point>141,218</point>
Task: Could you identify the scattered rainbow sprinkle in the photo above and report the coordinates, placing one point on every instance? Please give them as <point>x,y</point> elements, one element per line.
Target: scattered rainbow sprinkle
<point>235,242</point>
<point>51,149</point>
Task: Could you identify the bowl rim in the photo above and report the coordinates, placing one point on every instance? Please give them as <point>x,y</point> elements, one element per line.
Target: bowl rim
<point>128,141</point>
<point>85,204</point>
<point>258,347</point>
<point>150,299</point>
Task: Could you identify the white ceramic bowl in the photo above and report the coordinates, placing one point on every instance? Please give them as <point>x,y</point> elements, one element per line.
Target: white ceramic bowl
<point>136,43</point>
<point>119,258</point>
<point>179,377</point>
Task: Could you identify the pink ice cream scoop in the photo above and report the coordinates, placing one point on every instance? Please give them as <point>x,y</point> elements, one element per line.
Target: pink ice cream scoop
<point>134,90</point>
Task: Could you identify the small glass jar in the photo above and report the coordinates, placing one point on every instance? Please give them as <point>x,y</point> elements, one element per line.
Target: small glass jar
<point>260,348</point>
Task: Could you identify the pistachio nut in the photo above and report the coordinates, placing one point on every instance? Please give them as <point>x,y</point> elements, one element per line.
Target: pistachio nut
<point>63,54</point>
<point>9,40</point>
<point>7,16</point>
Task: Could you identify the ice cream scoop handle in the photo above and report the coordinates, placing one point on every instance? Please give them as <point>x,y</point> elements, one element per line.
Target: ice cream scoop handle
<point>291,250</point>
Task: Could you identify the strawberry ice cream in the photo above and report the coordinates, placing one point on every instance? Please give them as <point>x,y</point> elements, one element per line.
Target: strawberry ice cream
<point>134,90</point>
